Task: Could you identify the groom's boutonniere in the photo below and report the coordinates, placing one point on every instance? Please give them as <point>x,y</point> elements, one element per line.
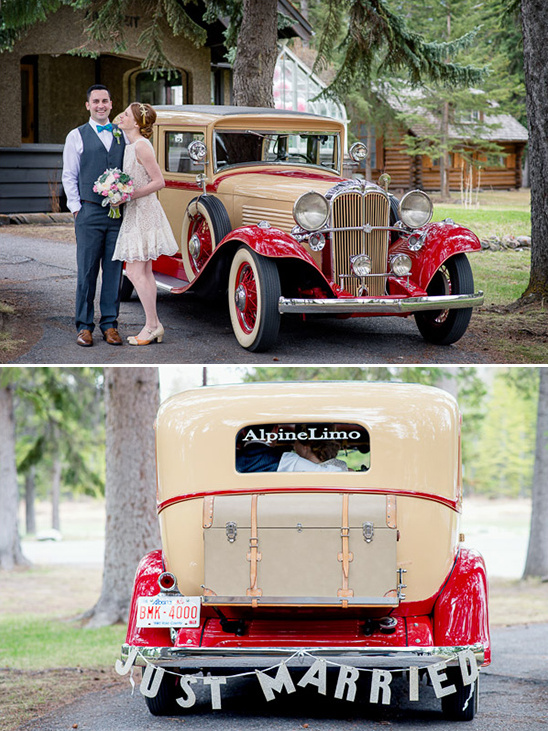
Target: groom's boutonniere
<point>117,133</point>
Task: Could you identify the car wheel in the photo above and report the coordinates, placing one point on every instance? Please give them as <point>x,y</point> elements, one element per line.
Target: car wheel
<point>253,294</point>
<point>205,223</point>
<point>462,705</point>
<point>164,702</point>
<point>443,327</point>
<point>126,289</point>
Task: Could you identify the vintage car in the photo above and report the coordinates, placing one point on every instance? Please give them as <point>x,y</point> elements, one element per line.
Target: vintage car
<point>317,521</point>
<point>258,203</point>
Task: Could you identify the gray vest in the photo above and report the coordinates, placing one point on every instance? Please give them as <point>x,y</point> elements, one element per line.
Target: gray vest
<point>95,159</point>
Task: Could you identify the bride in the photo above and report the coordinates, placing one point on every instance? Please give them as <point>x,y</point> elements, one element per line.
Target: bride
<point>145,233</point>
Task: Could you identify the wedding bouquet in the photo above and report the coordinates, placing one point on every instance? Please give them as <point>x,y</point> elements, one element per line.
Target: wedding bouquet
<point>116,187</point>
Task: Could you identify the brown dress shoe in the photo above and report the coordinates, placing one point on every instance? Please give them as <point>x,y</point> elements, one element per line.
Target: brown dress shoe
<point>112,336</point>
<point>85,338</point>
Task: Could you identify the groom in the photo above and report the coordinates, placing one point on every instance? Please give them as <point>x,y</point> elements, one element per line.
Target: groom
<point>90,150</point>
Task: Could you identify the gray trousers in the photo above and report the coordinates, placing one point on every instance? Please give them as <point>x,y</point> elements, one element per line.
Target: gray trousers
<point>96,236</point>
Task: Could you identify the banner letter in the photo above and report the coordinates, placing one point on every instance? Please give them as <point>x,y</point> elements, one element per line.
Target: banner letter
<point>468,667</point>
<point>347,678</point>
<point>413,683</point>
<point>269,684</point>
<point>190,699</point>
<point>315,675</point>
<point>381,680</point>
<point>215,682</point>
<point>152,677</point>
<point>437,676</point>
<point>123,668</point>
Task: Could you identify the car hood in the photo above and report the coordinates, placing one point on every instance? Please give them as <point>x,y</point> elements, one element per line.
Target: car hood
<point>281,185</point>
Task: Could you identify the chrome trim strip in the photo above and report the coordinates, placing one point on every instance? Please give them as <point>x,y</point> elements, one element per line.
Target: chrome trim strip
<point>379,306</point>
<point>394,657</point>
<point>300,600</point>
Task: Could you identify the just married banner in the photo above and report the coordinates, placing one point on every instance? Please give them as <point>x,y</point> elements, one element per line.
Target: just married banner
<point>277,679</point>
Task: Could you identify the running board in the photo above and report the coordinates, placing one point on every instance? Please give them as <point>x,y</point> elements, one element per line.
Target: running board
<point>170,284</point>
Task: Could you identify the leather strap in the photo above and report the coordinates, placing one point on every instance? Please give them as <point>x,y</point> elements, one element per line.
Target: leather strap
<point>253,555</point>
<point>345,556</point>
<point>391,511</point>
<point>208,511</point>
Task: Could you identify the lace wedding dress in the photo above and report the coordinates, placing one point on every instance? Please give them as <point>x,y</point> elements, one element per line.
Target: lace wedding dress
<point>145,232</point>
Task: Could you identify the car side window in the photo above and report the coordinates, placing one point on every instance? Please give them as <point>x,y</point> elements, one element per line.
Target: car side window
<point>176,157</point>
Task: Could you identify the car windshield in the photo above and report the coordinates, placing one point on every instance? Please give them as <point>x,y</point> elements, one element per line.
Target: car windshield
<point>287,148</point>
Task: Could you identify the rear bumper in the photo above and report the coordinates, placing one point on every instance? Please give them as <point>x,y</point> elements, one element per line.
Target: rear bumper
<point>379,305</point>
<point>396,657</point>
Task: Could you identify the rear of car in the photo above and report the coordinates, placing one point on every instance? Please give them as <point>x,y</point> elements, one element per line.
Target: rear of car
<point>356,562</point>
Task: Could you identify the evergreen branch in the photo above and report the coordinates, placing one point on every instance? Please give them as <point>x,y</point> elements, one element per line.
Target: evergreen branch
<point>182,24</point>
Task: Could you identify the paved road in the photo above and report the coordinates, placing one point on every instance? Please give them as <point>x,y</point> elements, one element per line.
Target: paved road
<point>512,698</point>
<point>42,273</point>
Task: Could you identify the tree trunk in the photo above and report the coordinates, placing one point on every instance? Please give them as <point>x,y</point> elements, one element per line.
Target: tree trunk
<point>30,499</point>
<point>535,31</point>
<point>10,545</point>
<point>131,403</point>
<point>536,563</point>
<point>256,54</point>
<point>56,492</point>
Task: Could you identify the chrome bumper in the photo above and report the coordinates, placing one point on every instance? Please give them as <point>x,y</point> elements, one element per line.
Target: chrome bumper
<point>392,657</point>
<point>379,305</point>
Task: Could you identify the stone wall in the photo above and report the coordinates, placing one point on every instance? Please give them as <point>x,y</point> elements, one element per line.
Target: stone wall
<point>62,80</point>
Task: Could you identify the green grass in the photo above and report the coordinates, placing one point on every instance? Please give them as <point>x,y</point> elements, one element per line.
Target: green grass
<point>502,275</point>
<point>485,222</point>
<point>31,642</point>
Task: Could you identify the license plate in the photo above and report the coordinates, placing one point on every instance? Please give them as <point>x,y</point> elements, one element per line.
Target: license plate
<point>168,611</point>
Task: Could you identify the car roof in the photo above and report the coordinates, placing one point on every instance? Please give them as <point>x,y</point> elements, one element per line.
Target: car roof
<point>205,114</point>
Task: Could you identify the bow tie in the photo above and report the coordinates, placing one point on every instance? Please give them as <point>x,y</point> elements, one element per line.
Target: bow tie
<point>108,127</point>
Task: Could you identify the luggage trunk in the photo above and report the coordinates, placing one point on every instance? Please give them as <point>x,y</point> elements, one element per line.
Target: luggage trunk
<point>301,549</point>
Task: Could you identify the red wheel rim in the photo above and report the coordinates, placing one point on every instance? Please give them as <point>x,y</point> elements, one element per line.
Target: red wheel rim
<point>201,229</point>
<point>245,294</point>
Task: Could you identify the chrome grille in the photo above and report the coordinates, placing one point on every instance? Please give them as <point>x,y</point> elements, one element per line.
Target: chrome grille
<point>357,208</point>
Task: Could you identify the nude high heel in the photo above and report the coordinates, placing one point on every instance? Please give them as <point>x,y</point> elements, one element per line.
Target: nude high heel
<point>155,335</point>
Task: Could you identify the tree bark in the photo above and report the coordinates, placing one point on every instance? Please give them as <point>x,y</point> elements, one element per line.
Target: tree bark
<point>256,54</point>
<point>11,554</point>
<point>56,492</point>
<point>536,563</point>
<point>535,32</point>
<point>131,403</point>
<point>30,500</point>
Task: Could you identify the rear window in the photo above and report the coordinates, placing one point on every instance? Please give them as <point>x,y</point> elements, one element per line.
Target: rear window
<point>303,447</point>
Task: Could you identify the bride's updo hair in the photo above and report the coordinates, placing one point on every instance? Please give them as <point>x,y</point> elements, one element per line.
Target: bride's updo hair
<point>145,116</point>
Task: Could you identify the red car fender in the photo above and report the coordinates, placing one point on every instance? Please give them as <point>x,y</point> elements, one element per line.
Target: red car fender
<point>146,584</point>
<point>460,613</point>
<point>443,240</point>
<point>271,242</point>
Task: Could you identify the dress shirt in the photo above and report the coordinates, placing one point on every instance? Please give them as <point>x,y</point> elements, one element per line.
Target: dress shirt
<point>74,147</point>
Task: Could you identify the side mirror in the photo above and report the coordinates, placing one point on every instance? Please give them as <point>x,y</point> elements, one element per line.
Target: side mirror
<point>357,152</point>
<point>197,151</point>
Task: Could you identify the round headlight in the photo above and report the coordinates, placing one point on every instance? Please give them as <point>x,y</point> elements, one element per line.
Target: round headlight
<point>401,265</point>
<point>311,211</point>
<point>361,265</point>
<point>415,209</point>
